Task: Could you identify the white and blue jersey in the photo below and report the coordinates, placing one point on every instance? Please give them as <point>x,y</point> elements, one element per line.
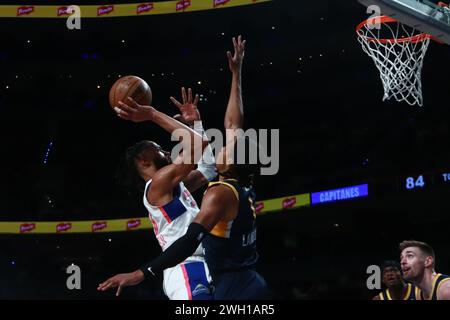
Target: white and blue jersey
<point>189,280</point>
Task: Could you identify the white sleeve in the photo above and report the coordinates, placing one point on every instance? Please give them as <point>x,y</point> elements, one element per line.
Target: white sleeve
<point>207,164</point>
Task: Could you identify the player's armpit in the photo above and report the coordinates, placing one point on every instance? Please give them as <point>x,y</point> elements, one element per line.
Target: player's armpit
<point>195,180</point>
<point>164,182</point>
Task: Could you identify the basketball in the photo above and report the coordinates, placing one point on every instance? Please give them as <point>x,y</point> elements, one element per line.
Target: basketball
<point>130,86</point>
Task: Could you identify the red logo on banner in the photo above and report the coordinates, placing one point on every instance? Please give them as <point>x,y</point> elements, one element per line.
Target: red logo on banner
<point>259,207</point>
<point>61,227</point>
<point>183,4</point>
<point>25,10</point>
<point>98,226</point>
<point>132,224</point>
<point>62,11</point>
<point>145,7</point>
<point>289,203</point>
<point>220,2</point>
<point>27,227</point>
<point>105,10</point>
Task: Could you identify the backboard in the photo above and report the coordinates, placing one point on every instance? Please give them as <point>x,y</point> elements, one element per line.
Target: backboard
<point>426,16</point>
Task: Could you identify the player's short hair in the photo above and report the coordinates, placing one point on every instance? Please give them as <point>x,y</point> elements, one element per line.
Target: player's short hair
<point>424,247</point>
<point>390,264</point>
<point>127,174</point>
<point>247,171</point>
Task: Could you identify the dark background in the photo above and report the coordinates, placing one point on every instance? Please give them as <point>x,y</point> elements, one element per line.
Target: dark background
<point>335,131</point>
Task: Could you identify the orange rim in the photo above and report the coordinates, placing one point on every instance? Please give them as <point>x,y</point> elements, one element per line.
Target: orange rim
<point>386,19</point>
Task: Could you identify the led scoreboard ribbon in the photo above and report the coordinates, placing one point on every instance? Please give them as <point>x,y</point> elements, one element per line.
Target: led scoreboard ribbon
<point>283,204</point>
<point>131,224</point>
<point>416,181</point>
<point>425,180</point>
<point>346,193</point>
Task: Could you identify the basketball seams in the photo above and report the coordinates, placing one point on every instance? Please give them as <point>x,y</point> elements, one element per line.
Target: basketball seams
<point>132,87</point>
<point>142,93</point>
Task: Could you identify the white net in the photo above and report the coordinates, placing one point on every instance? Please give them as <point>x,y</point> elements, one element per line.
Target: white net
<point>398,52</point>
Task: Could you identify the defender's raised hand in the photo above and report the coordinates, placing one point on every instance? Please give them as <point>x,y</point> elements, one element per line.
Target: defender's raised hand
<point>235,60</point>
<point>189,112</point>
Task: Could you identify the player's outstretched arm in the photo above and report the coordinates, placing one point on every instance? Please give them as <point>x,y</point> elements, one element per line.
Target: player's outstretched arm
<point>217,203</point>
<point>234,115</point>
<point>193,144</point>
<point>132,111</point>
<point>121,280</point>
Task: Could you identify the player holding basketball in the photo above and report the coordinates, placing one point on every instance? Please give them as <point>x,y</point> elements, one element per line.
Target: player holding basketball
<point>225,224</point>
<point>417,260</point>
<point>396,287</point>
<point>167,195</point>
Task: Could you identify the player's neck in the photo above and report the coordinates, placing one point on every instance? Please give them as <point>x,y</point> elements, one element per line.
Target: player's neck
<point>147,174</point>
<point>426,282</point>
<point>222,178</point>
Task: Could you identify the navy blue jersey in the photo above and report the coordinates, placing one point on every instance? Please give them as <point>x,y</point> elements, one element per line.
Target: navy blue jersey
<point>438,280</point>
<point>412,293</point>
<point>231,244</point>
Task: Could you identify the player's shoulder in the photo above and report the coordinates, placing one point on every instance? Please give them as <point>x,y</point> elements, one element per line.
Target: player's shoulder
<point>160,192</point>
<point>224,187</point>
<point>219,189</point>
<point>444,288</point>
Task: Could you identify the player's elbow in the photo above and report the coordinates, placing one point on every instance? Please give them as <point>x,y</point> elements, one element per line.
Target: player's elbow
<point>227,123</point>
<point>233,124</point>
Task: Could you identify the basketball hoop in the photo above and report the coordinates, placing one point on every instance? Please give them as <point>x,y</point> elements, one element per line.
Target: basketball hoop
<point>398,52</point>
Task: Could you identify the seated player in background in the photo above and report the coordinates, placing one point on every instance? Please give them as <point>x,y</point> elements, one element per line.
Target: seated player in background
<point>396,287</point>
<point>418,261</point>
